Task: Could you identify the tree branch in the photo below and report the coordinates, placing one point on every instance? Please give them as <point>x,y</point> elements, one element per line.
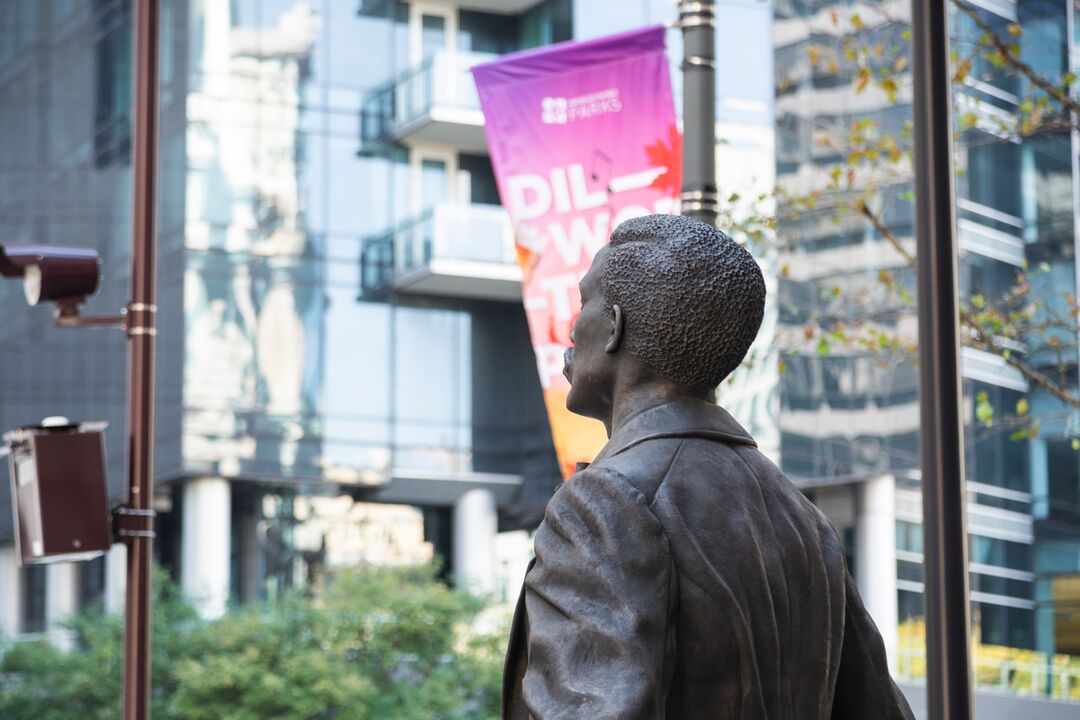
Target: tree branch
<point>1032,375</point>
<point>885,232</point>
<point>1022,67</point>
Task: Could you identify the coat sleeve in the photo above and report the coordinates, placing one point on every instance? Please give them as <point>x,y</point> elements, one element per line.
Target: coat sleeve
<point>864,687</point>
<point>599,602</point>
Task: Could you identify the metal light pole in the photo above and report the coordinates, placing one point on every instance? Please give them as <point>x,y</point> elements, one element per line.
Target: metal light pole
<point>699,193</point>
<point>141,316</point>
<point>948,677</point>
<point>67,276</point>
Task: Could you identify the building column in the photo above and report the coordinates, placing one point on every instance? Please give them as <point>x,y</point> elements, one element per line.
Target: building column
<point>115,578</point>
<point>10,594</point>
<point>875,556</point>
<point>61,602</point>
<point>476,523</point>
<point>205,545</point>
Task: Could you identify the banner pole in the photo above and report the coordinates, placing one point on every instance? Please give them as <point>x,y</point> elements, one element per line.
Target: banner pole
<point>699,192</point>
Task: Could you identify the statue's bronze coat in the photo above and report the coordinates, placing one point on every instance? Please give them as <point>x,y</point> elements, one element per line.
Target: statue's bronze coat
<point>681,575</point>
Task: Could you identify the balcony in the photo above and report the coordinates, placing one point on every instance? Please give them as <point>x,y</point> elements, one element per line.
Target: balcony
<point>452,250</point>
<point>382,8</point>
<point>435,102</point>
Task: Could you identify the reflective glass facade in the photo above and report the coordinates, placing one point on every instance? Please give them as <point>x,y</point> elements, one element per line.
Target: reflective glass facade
<point>849,415</point>
<point>275,371</point>
<point>302,171</point>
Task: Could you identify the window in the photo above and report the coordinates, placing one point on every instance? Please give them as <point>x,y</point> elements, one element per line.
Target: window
<point>910,605</point>
<point>112,98</point>
<point>986,276</point>
<point>992,456</point>
<point>549,22</point>
<point>33,599</point>
<point>432,35</point>
<point>909,536</point>
<point>487,33</point>
<point>91,582</point>
<point>1063,476</point>
<point>482,187</point>
<point>993,175</point>
<point>1002,553</point>
<point>1001,625</point>
<point>911,571</point>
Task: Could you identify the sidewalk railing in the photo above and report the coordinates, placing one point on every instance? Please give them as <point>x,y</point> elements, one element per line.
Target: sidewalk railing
<point>1056,679</point>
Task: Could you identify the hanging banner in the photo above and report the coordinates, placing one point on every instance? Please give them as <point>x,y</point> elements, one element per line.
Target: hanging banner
<point>582,136</point>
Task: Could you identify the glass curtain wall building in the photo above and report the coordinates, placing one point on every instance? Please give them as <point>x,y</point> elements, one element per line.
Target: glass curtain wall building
<point>344,368</point>
<point>307,415</point>
<point>849,417</point>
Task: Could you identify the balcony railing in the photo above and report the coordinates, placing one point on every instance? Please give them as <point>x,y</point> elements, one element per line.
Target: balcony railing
<point>435,101</point>
<point>451,250</point>
<point>383,8</point>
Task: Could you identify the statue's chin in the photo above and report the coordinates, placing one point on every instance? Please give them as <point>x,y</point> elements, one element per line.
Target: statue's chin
<point>578,406</point>
<point>572,403</point>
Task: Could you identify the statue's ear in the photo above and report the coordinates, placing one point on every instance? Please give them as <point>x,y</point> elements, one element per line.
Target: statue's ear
<point>617,325</point>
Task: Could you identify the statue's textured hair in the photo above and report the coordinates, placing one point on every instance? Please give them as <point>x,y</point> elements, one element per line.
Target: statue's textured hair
<point>693,299</point>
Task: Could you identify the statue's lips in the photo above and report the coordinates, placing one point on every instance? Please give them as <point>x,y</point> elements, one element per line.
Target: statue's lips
<point>568,365</point>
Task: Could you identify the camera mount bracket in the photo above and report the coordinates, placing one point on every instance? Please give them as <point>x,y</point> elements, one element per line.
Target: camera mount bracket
<point>135,319</point>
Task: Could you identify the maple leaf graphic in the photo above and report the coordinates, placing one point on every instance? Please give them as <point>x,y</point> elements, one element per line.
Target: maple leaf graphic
<point>667,155</point>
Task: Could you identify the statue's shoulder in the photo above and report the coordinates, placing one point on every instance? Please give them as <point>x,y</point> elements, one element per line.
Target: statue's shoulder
<point>643,466</point>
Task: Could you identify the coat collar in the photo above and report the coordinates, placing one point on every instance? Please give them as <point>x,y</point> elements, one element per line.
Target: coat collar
<point>686,417</point>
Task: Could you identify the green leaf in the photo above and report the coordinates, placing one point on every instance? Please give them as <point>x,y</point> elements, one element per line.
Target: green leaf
<point>984,412</point>
<point>982,397</point>
<point>1076,443</point>
<point>823,346</point>
<point>1022,406</point>
<point>1021,434</point>
<point>978,301</point>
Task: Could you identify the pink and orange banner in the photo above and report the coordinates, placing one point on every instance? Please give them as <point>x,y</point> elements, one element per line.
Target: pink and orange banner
<point>582,136</point>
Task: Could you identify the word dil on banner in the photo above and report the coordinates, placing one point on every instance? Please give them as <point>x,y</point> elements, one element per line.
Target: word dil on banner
<point>582,136</point>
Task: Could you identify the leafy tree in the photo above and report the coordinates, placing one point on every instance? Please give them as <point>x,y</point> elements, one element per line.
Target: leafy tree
<point>383,643</point>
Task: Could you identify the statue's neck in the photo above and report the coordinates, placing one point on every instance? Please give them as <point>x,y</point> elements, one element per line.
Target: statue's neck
<point>630,400</point>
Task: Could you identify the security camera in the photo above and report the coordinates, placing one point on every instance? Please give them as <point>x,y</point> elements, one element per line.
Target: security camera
<point>64,275</point>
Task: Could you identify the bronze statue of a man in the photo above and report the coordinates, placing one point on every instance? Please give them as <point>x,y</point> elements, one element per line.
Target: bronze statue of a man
<point>681,575</point>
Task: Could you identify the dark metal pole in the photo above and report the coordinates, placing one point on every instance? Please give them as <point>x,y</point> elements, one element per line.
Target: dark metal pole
<point>698,23</point>
<point>948,677</point>
<point>141,331</point>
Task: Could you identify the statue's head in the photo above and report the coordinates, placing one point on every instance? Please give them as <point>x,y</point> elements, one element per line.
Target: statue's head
<point>670,294</point>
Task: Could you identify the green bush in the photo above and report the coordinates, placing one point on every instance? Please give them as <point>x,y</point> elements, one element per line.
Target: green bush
<point>384,643</point>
